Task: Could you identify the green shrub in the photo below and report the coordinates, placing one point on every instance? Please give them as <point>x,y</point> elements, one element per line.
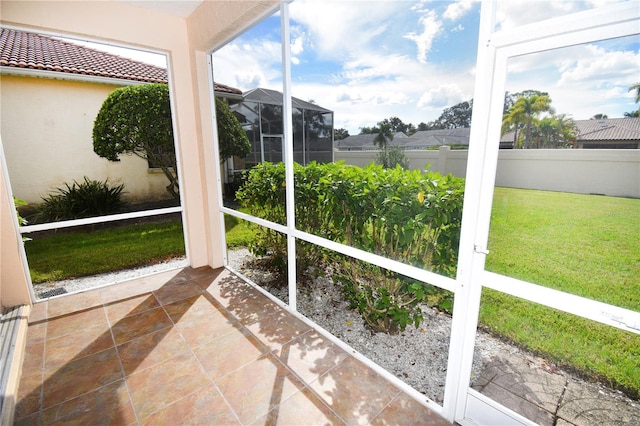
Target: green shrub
<point>389,158</point>
<point>411,216</point>
<point>86,199</point>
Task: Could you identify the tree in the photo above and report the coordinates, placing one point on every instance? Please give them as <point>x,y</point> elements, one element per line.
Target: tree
<point>600,117</point>
<point>524,111</point>
<point>555,132</point>
<point>457,116</point>
<point>389,158</point>
<point>384,135</point>
<point>339,134</point>
<point>232,138</point>
<point>137,120</point>
<point>369,130</point>
<point>632,114</point>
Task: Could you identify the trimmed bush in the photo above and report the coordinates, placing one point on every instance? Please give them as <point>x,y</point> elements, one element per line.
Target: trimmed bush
<point>86,199</point>
<point>410,216</point>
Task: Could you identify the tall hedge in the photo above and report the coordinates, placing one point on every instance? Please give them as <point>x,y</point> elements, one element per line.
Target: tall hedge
<point>410,216</point>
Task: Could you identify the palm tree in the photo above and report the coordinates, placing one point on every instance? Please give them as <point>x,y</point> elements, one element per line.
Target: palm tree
<point>384,135</point>
<point>557,131</point>
<point>525,110</point>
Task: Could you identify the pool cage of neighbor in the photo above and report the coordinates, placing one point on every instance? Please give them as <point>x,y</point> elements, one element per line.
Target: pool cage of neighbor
<point>260,113</point>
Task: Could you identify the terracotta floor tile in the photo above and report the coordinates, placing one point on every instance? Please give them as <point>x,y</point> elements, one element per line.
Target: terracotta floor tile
<point>108,405</point>
<point>277,329</point>
<point>38,312</point>
<point>131,306</point>
<point>150,349</point>
<point>228,353</point>
<point>32,420</point>
<point>228,289</point>
<point>254,307</point>
<point>72,323</point>
<point>199,331</point>
<point>203,273</point>
<point>303,408</point>
<point>29,395</point>
<point>80,376</point>
<point>177,290</point>
<point>33,358</point>
<point>64,349</point>
<point>73,303</point>
<point>136,287</point>
<point>406,410</point>
<point>37,332</point>
<point>311,355</point>
<point>138,325</point>
<point>163,384</point>
<point>192,308</point>
<point>257,388</point>
<point>204,407</point>
<point>355,392</point>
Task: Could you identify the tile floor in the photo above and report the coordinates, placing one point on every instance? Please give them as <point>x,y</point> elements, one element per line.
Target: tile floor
<point>196,346</point>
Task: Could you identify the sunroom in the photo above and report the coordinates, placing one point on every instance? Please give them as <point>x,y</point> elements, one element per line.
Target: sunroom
<point>203,344</point>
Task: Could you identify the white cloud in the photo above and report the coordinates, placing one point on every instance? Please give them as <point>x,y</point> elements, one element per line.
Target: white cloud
<point>431,28</point>
<point>513,13</point>
<point>440,97</point>
<point>249,66</point>
<point>458,9</point>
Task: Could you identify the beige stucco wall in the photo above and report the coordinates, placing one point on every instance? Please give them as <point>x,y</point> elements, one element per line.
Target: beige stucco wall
<point>13,278</point>
<point>186,43</point>
<point>46,129</point>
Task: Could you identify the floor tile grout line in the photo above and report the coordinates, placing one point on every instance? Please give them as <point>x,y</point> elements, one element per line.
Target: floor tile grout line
<point>305,384</point>
<point>190,350</point>
<point>124,375</point>
<point>396,396</point>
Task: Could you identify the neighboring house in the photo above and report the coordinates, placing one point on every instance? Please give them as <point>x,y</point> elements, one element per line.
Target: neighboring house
<point>424,139</point>
<point>51,93</point>
<point>610,133</point>
<point>260,113</point>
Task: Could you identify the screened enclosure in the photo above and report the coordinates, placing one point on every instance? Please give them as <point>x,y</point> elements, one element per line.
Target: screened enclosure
<point>260,113</point>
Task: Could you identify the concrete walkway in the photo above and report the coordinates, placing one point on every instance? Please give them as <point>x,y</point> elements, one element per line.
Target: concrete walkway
<point>549,396</point>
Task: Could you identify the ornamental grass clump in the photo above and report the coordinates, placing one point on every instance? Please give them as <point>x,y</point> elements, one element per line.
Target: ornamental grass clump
<point>78,200</point>
<point>410,216</point>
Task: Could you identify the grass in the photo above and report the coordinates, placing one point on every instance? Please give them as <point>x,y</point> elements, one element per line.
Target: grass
<point>582,244</point>
<point>73,255</point>
<point>239,232</point>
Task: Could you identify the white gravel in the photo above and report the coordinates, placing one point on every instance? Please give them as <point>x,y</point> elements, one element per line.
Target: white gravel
<point>418,356</point>
<point>79,284</point>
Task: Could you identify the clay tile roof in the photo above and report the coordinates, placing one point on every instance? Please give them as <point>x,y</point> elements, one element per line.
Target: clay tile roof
<point>34,51</point>
<point>610,129</point>
<point>26,50</point>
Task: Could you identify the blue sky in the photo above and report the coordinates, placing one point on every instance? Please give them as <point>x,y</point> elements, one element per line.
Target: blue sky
<point>368,61</point>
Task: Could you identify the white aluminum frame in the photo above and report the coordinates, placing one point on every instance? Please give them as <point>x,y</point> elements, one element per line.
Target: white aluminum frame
<point>494,49</point>
<point>461,403</point>
<point>108,218</point>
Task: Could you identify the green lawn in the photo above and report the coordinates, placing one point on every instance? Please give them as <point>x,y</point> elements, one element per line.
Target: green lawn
<point>73,255</point>
<point>582,244</point>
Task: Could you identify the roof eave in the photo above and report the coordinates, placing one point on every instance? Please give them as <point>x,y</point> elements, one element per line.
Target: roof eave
<point>28,72</point>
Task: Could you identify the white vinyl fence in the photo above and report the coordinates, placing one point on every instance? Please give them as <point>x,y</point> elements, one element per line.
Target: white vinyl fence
<point>613,172</point>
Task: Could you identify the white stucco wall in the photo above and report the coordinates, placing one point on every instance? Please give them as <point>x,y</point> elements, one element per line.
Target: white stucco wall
<point>186,42</point>
<point>47,129</point>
